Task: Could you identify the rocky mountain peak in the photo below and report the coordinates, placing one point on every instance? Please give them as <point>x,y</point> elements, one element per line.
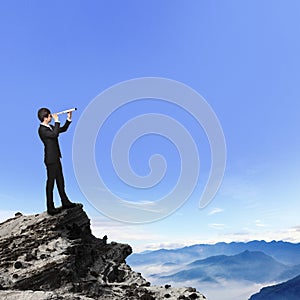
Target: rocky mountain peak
<point>58,257</point>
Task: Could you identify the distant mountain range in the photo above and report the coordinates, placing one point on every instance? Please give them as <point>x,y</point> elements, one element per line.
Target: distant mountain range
<point>252,263</point>
<point>289,290</point>
<point>252,266</point>
<point>284,252</point>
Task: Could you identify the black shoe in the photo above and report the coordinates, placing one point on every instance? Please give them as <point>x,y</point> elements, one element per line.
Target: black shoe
<point>68,204</point>
<point>53,211</point>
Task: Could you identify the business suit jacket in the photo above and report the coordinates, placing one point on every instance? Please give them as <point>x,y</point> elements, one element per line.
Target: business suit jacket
<point>50,140</point>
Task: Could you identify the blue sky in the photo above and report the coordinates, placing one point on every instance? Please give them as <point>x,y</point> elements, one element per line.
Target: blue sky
<point>241,56</point>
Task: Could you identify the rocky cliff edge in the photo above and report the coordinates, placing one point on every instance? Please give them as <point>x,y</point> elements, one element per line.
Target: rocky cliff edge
<point>47,257</point>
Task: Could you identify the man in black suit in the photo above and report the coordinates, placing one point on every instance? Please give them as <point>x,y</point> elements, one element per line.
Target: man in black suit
<point>49,136</point>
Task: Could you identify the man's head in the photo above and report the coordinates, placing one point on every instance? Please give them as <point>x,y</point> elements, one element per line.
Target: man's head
<point>44,115</point>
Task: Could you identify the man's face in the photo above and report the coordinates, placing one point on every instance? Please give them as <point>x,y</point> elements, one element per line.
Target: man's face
<point>48,119</point>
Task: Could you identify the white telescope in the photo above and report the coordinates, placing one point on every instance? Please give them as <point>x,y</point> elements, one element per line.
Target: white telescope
<point>66,111</point>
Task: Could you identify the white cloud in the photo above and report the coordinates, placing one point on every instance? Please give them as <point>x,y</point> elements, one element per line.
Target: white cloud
<point>291,234</point>
<point>259,223</point>
<point>215,210</point>
<point>217,226</point>
<point>165,245</point>
<point>135,235</point>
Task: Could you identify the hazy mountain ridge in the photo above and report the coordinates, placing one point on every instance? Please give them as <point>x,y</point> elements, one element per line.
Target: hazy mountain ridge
<point>253,266</point>
<point>284,252</point>
<point>237,269</point>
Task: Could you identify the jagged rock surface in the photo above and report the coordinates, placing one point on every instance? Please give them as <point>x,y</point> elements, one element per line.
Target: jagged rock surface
<point>57,257</point>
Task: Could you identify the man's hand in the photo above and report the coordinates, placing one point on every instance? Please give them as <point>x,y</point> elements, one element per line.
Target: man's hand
<point>55,117</point>
<point>70,115</point>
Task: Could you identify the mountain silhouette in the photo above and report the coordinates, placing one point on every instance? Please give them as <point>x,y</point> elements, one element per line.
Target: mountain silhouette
<point>284,252</point>
<point>254,266</point>
<point>289,290</point>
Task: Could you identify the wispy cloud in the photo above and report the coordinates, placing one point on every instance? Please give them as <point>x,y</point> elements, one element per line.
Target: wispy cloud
<point>217,226</point>
<point>246,234</point>
<point>296,228</point>
<point>165,245</point>
<point>291,234</point>
<point>215,210</point>
<point>259,223</point>
<point>136,236</point>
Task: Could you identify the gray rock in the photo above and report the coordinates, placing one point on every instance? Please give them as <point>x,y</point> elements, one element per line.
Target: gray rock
<point>57,257</point>
<point>18,265</point>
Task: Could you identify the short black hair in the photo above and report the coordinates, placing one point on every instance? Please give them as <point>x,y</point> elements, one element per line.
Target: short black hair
<point>43,113</point>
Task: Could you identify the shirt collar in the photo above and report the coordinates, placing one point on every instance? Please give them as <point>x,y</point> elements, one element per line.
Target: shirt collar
<point>46,125</point>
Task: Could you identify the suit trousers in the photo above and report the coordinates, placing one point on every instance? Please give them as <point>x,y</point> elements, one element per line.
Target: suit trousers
<point>55,174</point>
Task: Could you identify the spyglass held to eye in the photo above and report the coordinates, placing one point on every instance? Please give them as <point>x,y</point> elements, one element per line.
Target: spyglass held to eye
<point>66,111</point>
